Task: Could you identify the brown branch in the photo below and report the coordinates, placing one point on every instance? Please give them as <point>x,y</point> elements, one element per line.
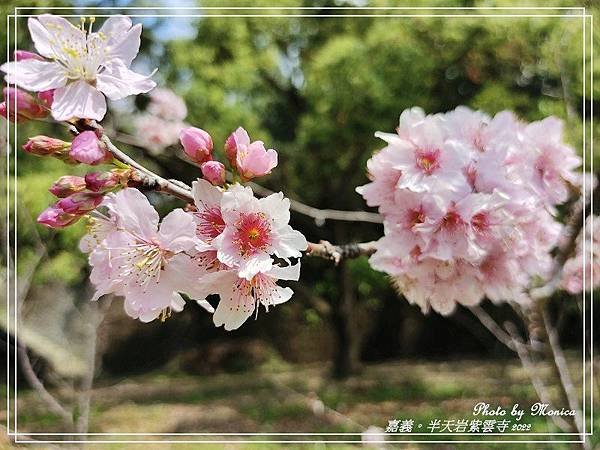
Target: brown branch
<point>317,214</point>
<point>336,253</point>
<point>493,327</point>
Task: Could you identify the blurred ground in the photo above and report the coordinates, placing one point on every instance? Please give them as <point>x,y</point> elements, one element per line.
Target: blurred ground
<point>279,398</point>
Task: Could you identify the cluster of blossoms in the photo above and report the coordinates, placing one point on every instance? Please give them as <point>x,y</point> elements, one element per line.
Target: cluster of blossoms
<point>228,242</point>
<point>575,267</point>
<point>162,121</point>
<point>468,204</point>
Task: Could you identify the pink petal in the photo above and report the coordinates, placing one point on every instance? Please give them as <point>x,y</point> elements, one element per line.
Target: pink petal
<point>35,75</point>
<point>79,100</point>
<point>117,81</point>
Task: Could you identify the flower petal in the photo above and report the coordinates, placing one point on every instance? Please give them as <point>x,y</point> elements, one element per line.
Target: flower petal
<point>291,273</point>
<point>135,213</point>
<point>117,81</point>
<point>122,40</point>
<point>79,100</point>
<point>233,310</point>
<point>35,75</point>
<point>205,194</point>
<point>178,231</point>
<point>51,34</point>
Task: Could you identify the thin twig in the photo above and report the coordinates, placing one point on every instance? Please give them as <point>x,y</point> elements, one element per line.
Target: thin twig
<point>493,327</point>
<point>34,381</point>
<point>533,374</point>
<point>317,214</point>
<point>563,370</point>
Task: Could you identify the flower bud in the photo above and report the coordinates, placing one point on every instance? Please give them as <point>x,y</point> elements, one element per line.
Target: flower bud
<point>27,106</point>
<point>197,144</point>
<point>46,98</point>
<point>44,145</point>
<point>105,181</point>
<point>55,217</point>
<point>214,172</point>
<point>22,55</point>
<point>87,149</point>
<point>67,185</point>
<point>235,140</point>
<point>80,202</point>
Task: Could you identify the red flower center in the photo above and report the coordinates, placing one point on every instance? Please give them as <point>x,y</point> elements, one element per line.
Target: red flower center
<point>428,160</point>
<point>253,233</point>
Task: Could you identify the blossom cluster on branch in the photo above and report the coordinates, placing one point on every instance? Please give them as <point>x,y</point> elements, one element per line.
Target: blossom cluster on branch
<point>469,205</point>
<point>469,201</point>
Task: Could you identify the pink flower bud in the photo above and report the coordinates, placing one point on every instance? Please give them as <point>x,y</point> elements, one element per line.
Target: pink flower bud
<point>235,140</point>
<point>44,145</point>
<point>22,55</point>
<point>197,144</point>
<point>27,106</point>
<point>67,185</point>
<point>80,202</point>
<point>255,161</point>
<point>46,97</point>
<point>87,149</point>
<point>55,217</point>
<point>214,172</point>
<point>104,181</point>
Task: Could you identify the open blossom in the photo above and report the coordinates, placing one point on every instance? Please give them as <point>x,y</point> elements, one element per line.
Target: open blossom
<point>241,297</point>
<point>583,272</point>
<point>143,261</point>
<point>251,159</point>
<point>82,66</point>
<point>166,104</point>
<point>468,203</point>
<point>254,230</point>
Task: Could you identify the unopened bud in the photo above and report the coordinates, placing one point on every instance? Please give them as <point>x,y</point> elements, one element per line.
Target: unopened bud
<point>22,55</point>
<point>197,144</point>
<point>87,149</point>
<point>44,145</point>
<point>26,106</point>
<point>105,181</point>
<point>236,140</point>
<point>55,217</point>
<point>80,202</point>
<point>46,97</point>
<point>67,185</point>
<point>214,172</point>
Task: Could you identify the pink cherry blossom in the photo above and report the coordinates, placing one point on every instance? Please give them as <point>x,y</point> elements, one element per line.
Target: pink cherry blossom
<point>251,159</point>
<point>256,229</point>
<point>582,271</point>
<point>143,261</point>
<point>156,133</point>
<point>241,297</point>
<point>82,66</point>
<point>166,104</point>
<point>468,203</point>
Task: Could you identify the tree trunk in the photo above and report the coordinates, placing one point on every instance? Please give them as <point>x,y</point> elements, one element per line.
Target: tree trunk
<point>345,360</point>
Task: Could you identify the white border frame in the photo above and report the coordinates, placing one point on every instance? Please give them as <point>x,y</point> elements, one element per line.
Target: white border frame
<point>389,436</point>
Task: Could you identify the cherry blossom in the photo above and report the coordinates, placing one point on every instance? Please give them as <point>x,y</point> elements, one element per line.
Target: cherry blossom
<point>468,203</point>
<point>81,65</point>
<point>240,297</point>
<point>254,230</point>
<point>143,261</point>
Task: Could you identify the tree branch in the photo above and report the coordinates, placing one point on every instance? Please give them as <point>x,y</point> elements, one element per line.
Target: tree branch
<point>336,253</point>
